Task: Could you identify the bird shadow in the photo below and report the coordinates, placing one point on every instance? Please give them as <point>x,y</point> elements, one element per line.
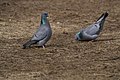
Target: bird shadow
<point>109,39</point>
<point>36,46</point>
<point>33,47</point>
<point>97,40</point>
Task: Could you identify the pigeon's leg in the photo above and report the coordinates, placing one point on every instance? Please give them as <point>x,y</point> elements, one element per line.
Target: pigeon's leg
<point>43,46</point>
<point>93,40</point>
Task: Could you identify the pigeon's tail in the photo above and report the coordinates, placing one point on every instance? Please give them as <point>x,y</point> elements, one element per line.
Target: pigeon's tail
<point>101,21</point>
<point>102,17</point>
<point>28,44</point>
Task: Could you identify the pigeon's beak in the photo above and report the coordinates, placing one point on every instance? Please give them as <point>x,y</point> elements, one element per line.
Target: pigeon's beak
<point>47,17</point>
<point>76,38</point>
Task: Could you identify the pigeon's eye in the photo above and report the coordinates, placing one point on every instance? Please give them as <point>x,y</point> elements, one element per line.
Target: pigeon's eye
<point>76,38</point>
<point>46,14</point>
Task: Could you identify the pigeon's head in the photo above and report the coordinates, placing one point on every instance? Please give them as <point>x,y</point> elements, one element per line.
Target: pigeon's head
<point>45,14</point>
<point>77,36</point>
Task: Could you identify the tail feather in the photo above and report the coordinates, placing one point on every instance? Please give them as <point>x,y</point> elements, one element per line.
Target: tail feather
<point>105,15</point>
<point>102,17</point>
<point>28,44</point>
<point>101,21</point>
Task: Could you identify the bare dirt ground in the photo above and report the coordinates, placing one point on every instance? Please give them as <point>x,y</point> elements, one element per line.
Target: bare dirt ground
<point>64,58</point>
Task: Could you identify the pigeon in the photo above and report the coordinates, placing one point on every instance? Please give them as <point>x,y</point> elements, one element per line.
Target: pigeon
<point>92,31</point>
<point>42,35</point>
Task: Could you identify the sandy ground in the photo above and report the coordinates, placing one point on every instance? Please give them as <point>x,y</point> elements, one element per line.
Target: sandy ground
<point>64,58</point>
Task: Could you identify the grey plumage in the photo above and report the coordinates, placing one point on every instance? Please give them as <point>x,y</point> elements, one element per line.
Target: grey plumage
<point>92,31</point>
<point>42,35</point>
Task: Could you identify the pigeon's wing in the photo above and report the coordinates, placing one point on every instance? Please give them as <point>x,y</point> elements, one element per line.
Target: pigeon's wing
<point>88,36</point>
<point>40,34</point>
<point>92,29</point>
<point>96,27</point>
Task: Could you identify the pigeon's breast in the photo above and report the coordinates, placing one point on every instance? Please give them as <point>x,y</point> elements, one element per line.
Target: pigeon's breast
<point>47,38</point>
